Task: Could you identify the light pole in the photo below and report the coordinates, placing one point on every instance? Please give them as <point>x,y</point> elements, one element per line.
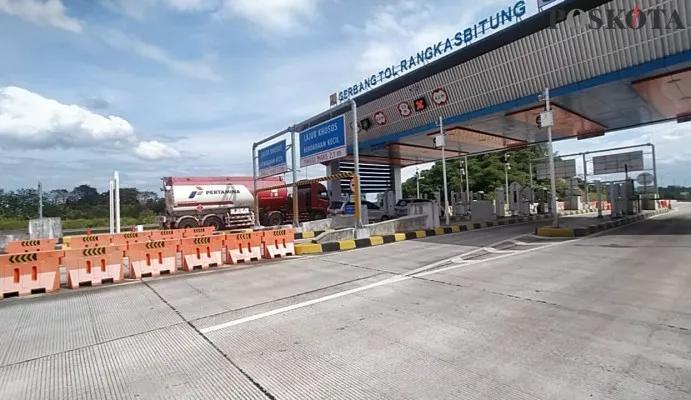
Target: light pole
<point>417,176</point>
<point>507,167</point>
<point>460,174</point>
<point>356,166</point>
<point>111,193</point>
<point>467,185</point>
<point>116,197</point>
<point>40,201</point>
<point>443,167</point>
<point>545,119</point>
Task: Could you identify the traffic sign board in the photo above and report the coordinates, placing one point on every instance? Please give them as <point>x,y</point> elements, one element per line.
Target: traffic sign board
<point>380,118</point>
<point>440,97</point>
<point>404,109</point>
<point>272,159</point>
<point>323,142</point>
<point>645,179</point>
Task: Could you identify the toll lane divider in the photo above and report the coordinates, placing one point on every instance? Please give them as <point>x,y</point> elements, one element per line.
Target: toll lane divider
<point>201,252</point>
<point>580,231</point>
<point>29,273</point>
<point>39,272</point>
<point>341,245</point>
<point>31,246</point>
<point>152,259</point>
<point>123,239</point>
<point>93,266</point>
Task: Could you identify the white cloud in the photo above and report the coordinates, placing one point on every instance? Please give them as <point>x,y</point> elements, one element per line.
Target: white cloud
<point>195,69</point>
<point>397,30</point>
<point>48,12</point>
<point>138,9</point>
<point>154,151</point>
<point>132,8</point>
<point>192,5</point>
<point>28,119</point>
<point>282,16</point>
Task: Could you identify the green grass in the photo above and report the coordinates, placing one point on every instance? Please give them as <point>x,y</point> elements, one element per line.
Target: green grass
<point>126,222</point>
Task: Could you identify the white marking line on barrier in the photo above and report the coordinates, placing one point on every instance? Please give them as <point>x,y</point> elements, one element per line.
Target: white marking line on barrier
<point>419,272</point>
<point>495,251</point>
<point>519,243</point>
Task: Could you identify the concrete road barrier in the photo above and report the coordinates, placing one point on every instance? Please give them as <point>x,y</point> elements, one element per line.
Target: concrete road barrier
<point>580,231</point>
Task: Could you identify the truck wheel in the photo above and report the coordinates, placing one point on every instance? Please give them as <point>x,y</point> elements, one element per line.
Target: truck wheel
<point>385,218</point>
<point>275,219</point>
<point>215,222</point>
<point>317,215</point>
<point>188,223</point>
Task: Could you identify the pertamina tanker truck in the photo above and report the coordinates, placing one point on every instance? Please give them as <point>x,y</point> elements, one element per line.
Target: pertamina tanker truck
<point>228,202</point>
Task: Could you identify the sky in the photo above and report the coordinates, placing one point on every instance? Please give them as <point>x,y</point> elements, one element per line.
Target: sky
<point>156,88</point>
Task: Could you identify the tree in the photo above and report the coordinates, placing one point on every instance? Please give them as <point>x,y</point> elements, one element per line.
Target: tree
<point>486,173</point>
<point>82,202</point>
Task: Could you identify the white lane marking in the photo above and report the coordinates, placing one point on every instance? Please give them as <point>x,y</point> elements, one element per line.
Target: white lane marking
<point>419,272</point>
<point>387,281</point>
<point>519,243</point>
<point>495,251</point>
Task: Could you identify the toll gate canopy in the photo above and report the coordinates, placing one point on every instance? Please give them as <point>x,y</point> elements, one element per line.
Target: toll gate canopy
<point>487,92</point>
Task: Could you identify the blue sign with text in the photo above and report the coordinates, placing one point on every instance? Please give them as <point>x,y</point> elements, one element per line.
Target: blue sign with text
<point>462,37</point>
<point>349,209</point>
<point>324,142</point>
<point>272,159</point>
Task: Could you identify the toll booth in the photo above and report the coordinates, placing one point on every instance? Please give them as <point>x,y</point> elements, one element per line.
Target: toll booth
<point>572,201</point>
<point>499,205</point>
<point>527,200</point>
<point>515,198</point>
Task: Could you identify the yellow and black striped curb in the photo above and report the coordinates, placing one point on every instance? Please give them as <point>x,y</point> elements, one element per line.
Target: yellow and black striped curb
<point>580,231</point>
<point>315,248</point>
<point>577,212</point>
<point>313,234</point>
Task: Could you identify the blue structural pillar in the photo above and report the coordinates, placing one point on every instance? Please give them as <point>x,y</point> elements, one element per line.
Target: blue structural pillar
<point>334,186</point>
<point>397,183</point>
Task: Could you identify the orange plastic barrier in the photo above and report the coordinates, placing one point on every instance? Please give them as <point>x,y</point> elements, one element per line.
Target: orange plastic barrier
<point>152,259</point>
<point>94,266</point>
<point>31,246</point>
<point>201,252</point>
<point>168,234</point>
<point>243,247</point>
<point>278,243</point>
<point>124,239</point>
<point>198,232</point>
<point>83,242</point>
<point>29,273</point>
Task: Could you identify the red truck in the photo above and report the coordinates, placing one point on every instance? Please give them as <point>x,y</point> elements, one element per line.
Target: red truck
<point>228,202</point>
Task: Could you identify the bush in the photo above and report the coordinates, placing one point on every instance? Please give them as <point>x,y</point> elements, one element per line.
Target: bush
<point>80,223</point>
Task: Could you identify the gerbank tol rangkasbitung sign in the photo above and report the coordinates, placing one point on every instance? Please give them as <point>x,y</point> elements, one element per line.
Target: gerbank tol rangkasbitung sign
<point>461,38</point>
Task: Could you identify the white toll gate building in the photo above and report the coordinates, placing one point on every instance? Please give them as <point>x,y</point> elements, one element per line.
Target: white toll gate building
<point>489,90</point>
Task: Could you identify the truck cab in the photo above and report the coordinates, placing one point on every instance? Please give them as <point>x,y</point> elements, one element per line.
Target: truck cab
<point>313,204</point>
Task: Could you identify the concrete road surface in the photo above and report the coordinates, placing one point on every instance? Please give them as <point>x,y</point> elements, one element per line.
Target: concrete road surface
<point>491,314</point>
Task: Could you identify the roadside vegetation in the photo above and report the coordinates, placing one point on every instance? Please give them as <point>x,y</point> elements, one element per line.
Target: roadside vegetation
<point>79,208</point>
<point>84,207</point>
